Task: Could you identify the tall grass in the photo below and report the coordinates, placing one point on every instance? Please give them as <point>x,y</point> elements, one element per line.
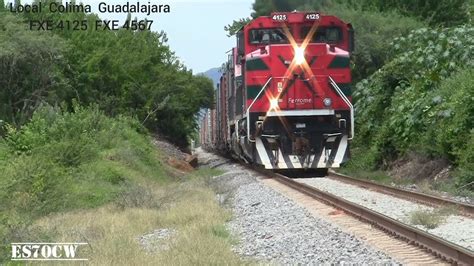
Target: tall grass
<point>188,208</point>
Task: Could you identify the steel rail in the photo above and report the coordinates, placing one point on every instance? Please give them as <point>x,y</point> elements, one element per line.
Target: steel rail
<point>446,250</point>
<point>464,208</point>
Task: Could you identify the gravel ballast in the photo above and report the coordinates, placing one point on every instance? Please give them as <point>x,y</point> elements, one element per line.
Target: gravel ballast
<point>272,228</point>
<point>454,228</point>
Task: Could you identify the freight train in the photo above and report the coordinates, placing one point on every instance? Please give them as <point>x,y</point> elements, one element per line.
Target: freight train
<point>284,97</point>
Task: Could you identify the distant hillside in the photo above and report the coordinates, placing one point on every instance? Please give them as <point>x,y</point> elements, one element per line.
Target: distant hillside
<point>214,74</point>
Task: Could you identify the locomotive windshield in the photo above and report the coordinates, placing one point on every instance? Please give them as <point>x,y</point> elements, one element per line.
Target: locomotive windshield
<point>323,34</point>
<point>267,36</point>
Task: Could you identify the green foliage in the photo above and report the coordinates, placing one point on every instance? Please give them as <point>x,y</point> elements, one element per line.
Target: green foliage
<point>435,13</point>
<point>235,26</point>
<point>450,120</point>
<point>430,219</point>
<point>31,65</point>
<point>315,5</point>
<point>374,32</point>
<point>265,7</point>
<point>68,160</point>
<point>471,11</point>
<point>140,76</point>
<point>450,124</point>
<point>413,103</point>
<point>465,171</point>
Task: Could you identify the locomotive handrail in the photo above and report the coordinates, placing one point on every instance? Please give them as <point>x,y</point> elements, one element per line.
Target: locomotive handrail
<point>344,98</point>
<point>250,106</point>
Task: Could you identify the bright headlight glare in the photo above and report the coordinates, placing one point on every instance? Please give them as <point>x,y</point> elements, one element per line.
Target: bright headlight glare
<point>327,102</point>
<point>299,55</point>
<point>273,103</point>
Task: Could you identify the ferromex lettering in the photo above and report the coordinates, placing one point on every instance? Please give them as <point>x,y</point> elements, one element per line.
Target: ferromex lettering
<point>46,251</point>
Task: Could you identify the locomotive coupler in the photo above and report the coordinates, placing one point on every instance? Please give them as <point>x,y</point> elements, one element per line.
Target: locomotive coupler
<point>301,147</point>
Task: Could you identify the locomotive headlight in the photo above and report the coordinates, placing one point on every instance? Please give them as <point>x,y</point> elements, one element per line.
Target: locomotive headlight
<point>273,104</point>
<point>327,102</point>
<point>299,55</point>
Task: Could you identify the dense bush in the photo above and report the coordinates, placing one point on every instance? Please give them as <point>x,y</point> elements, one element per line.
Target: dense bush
<point>67,160</point>
<point>62,161</point>
<point>435,13</point>
<point>450,123</point>
<point>451,117</point>
<point>398,107</point>
<point>30,69</point>
<point>465,171</point>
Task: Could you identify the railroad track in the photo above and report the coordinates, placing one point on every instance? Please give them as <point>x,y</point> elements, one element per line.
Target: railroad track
<point>439,247</point>
<point>431,200</point>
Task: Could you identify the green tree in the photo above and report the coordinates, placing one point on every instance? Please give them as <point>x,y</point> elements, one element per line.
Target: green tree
<point>30,69</point>
<point>265,7</point>
<point>136,73</point>
<point>434,12</point>
<point>236,25</point>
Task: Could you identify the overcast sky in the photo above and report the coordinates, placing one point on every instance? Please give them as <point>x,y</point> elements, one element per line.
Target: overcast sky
<point>195,29</point>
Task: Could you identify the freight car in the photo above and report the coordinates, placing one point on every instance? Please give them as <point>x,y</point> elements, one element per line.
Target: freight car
<point>284,98</point>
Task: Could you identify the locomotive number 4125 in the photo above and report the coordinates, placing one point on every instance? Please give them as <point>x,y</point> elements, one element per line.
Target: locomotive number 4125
<point>308,16</point>
<point>280,17</point>
<point>312,16</point>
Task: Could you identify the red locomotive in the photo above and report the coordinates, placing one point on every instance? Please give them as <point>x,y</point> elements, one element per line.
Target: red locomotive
<point>284,100</point>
